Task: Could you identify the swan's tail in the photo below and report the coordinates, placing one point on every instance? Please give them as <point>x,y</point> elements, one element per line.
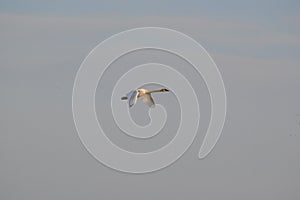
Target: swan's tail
<point>124,98</point>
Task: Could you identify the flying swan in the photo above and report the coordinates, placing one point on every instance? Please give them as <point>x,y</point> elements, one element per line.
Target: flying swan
<point>143,94</point>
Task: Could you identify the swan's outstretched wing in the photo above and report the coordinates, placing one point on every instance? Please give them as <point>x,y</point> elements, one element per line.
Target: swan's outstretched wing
<point>147,99</point>
<point>132,97</point>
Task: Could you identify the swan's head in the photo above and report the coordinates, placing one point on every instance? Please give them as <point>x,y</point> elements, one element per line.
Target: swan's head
<point>164,90</point>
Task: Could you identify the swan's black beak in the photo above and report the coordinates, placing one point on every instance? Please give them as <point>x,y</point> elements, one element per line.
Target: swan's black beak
<point>165,90</point>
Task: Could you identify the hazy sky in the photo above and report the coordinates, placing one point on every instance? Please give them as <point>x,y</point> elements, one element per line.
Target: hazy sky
<point>256,45</point>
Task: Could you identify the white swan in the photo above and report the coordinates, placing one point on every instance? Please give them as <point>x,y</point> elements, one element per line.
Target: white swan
<point>143,94</point>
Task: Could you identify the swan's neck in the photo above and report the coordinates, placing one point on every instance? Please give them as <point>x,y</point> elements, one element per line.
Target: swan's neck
<point>152,91</point>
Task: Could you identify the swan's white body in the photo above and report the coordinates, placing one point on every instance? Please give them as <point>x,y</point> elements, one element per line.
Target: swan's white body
<point>143,94</point>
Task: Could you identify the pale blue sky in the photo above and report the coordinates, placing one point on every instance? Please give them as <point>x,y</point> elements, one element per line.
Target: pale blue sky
<point>256,45</point>
<point>232,8</point>
<point>275,19</point>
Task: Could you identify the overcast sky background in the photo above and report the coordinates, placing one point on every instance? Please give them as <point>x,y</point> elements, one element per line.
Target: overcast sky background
<point>256,45</point>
